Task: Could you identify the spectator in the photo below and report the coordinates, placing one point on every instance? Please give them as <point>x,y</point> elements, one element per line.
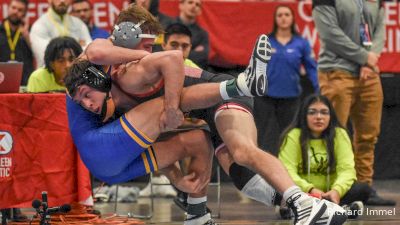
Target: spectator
<point>54,23</point>
<point>83,9</point>
<point>349,73</point>
<point>58,58</point>
<point>178,37</point>
<point>14,38</point>
<point>165,21</point>
<point>153,7</point>
<point>318,154</point>
<point>189,10</point>
<point>290,51</point>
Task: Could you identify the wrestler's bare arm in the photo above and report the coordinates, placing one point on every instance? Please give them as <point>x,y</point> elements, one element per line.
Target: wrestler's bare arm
<point>149,71</point>
<point>103,52</point>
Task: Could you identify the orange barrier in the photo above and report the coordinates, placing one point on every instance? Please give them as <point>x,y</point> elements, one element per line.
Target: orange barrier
<point>37,153</point>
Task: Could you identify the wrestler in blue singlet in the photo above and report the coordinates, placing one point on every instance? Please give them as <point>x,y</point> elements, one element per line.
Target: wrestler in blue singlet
<point>113,152</point>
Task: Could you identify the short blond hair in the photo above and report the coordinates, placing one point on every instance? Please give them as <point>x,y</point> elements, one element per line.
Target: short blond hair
<point>136,14</point>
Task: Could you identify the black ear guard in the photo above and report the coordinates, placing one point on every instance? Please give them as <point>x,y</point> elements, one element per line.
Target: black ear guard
<point>93,77</point>
<point>97,79</point>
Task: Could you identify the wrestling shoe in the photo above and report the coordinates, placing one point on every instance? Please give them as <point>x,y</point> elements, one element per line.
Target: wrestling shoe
<point>161,188</point>
<point>200,220</point>
<point>354,209</point>
<point>309,210</point>
<point>283,212</point>
<point>253,81</point>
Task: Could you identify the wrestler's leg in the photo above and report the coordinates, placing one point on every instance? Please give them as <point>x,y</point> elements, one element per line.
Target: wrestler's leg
<point>239,133</point>
<point>146,116</point>
<point>196,145</point>
<point>246,181</point>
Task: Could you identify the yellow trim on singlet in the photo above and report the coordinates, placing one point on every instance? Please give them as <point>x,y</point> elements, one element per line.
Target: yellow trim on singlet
<point>143,134</point>
<point>146,163</point>
<point>133,135</point>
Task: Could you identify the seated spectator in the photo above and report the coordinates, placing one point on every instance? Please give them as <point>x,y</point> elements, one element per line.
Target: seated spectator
<point>153,7</point>
<point>178,37</point>
<point>83,9</point>
<point>56,22</point>
<point>14,38</point>
<point>318,154</point>
<point>189,10</point>
<point>58,57</point>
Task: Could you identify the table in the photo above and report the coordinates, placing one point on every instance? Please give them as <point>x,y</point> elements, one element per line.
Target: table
<point>37,152</point>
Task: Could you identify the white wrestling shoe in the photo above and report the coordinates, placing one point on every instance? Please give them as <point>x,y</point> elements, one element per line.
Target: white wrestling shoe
<point>161,188</point>
<point>253,81</point>
<point>354,209</point>
<point>309,210</point>
<point>200,220</point>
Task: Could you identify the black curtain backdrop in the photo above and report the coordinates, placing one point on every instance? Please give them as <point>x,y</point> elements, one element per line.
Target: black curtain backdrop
<point>387,152</point>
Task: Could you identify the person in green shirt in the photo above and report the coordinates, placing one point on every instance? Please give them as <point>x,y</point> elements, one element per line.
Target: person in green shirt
<point>178,37</point>
<point>58,57</point>
<point>318,155</point>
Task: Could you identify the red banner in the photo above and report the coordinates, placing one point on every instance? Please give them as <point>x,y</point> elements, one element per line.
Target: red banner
<point>234,25</point>
<point>37,153</point>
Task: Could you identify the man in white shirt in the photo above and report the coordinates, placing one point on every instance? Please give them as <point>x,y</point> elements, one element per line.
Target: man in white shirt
<point>54,23</point>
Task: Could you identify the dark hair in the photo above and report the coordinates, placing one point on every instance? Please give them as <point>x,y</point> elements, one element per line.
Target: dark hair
<point>79,1</point>
<point>176,28</point>
<point>55,49</point>
<point>135,14</point>
<point>275,26</point>
<point>300,121</point>
<point>74,77</point>
<point>25,2</point>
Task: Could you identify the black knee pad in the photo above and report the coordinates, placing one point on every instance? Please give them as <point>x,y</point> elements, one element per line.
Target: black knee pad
<point>240,175</point>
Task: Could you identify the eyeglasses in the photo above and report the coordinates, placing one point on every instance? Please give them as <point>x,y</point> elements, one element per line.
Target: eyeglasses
<point>314,112</point>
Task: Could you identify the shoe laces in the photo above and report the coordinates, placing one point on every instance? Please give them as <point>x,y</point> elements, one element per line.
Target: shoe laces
<point>291,203</point>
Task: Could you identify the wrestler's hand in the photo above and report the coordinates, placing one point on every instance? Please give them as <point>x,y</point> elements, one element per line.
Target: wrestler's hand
<point>171,119</point>
<point>190,183</point>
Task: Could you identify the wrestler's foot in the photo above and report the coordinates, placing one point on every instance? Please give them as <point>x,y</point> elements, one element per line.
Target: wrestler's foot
<point>253,81</point>
<point>310,210</point>
<point>200,220</point>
